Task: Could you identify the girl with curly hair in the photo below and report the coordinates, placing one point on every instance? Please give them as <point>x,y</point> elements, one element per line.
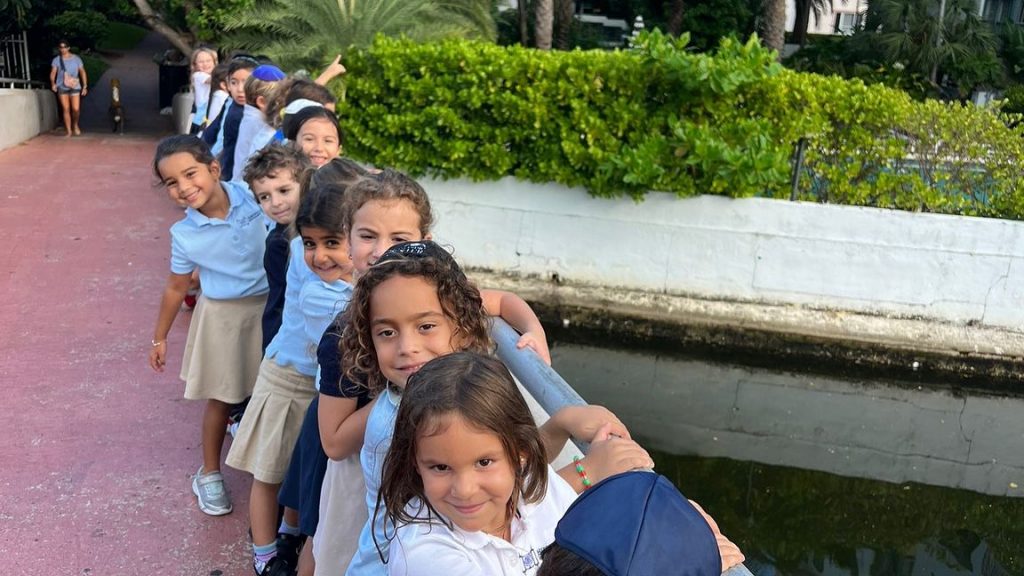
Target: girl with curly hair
<point>411,306</point>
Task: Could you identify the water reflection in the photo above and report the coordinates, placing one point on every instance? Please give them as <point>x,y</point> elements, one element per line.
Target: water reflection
<point>784,461</point>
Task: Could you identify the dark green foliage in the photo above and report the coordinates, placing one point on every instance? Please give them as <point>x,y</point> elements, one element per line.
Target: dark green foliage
<point>797,516</point>
<point>662,118</point>
<point>709,21</point>
<point>82,28</point>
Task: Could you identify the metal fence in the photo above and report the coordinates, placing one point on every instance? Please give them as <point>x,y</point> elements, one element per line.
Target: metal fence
<point>14,65</point>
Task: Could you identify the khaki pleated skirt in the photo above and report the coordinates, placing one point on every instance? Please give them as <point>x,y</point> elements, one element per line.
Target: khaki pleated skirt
<point>342,516</point>
<point>224,348</point>
<point>266,436</point>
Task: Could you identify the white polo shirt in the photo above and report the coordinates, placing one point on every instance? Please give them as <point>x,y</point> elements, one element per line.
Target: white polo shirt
<point>429,549</point>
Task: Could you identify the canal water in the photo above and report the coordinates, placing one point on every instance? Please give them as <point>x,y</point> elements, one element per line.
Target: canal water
<point>819,475</point>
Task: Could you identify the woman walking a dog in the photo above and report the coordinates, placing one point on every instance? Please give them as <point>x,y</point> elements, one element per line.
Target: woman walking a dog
<point>69,80</point>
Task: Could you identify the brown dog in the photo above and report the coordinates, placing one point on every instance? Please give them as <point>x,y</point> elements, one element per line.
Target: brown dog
<point>116,110</point>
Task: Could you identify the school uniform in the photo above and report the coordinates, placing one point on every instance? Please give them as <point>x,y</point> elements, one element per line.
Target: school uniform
<point>380,426</point>
<point>342,488</point>
<point>302,487</point>
<point>284,388</point>
<point>212,131</point>
<point>224,148</point>
<point>200,100</point>
<point>275,263</point>
<point>431,547</point>
<point>222,352</point>
<point>217,100</point>
<point>253,134</point>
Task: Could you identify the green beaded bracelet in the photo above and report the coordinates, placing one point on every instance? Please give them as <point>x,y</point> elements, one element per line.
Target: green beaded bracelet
<point>581,471</point>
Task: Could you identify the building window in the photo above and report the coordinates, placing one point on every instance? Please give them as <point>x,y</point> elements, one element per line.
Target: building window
<point>847,22</point>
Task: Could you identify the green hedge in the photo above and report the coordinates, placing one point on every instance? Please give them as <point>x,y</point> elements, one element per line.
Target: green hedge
<point>661,118</point>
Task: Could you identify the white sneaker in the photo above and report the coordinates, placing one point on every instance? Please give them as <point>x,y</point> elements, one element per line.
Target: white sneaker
<point>210,492</point>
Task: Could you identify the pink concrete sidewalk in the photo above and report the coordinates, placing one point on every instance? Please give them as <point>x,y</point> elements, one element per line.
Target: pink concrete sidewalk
<point>97,449</point>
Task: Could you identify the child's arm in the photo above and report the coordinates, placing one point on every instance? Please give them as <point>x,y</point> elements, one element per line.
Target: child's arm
<point>174,295</point>
<point>333,70</point>
<point>342,427</point>
<point>520,316</point>
<point>609,455</point>
<point>583,423</point>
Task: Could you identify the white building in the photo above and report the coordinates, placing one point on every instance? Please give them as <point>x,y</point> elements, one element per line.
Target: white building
<point>840,17</point>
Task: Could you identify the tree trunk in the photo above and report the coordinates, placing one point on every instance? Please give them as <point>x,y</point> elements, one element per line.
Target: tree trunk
<point>153,20</point>
<point>803,19</point>
<point>675,17</point>
<point>773,25</point>
<point>544,15</point>
<point>563,23</point>
<point>524,22</point>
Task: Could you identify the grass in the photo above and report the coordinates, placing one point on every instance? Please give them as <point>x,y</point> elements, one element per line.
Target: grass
<point>122,36</point>
<point>94,67</point>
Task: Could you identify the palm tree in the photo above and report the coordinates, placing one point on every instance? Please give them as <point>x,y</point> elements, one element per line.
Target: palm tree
<point>305,33</point>
<point>804,9</point>
<point>564,19</point>
<point>909,32</point>
<point>773,24</point>
<point>675,17</point>
<point>544,17</point>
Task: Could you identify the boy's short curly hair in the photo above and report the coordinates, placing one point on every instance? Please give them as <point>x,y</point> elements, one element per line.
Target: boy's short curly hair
<point>273,158</point>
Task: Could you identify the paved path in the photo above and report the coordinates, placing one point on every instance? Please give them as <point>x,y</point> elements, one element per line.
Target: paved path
<point>97,449</point>
<point>139,76</point>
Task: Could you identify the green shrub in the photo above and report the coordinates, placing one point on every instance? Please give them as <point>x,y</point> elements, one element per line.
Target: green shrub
<point>662,118</point>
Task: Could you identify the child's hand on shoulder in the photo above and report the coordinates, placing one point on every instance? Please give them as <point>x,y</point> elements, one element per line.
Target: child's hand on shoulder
<point>610,455</point>
<point>536,342</point>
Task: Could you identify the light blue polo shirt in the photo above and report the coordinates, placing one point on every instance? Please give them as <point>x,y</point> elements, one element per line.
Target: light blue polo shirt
<point>380,427</point>
<point>320,303</point>
<point>229,252</point>
<point>289,348</point>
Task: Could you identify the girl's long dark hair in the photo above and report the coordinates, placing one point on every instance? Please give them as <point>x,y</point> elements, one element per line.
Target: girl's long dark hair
<point>479,389</point>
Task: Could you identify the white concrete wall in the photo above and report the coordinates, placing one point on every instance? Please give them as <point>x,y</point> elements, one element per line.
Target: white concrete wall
<point>25,114</point>
<point>946,268</point>
<point>891,433</point>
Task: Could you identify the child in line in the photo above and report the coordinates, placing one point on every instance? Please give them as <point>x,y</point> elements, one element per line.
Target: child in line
<point>413,305</point>
<point>295,89</point>
<point>315,131</point>
<point>301,488</point>
<point>380,212</point>
<point>467,480</point>
<point>221,236</point>
<point>204,60</point>
<point>276,175</point>
<point>218,97</point>
<point>273,419</point>
<point>253,131</point>
<point>239,70</point>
